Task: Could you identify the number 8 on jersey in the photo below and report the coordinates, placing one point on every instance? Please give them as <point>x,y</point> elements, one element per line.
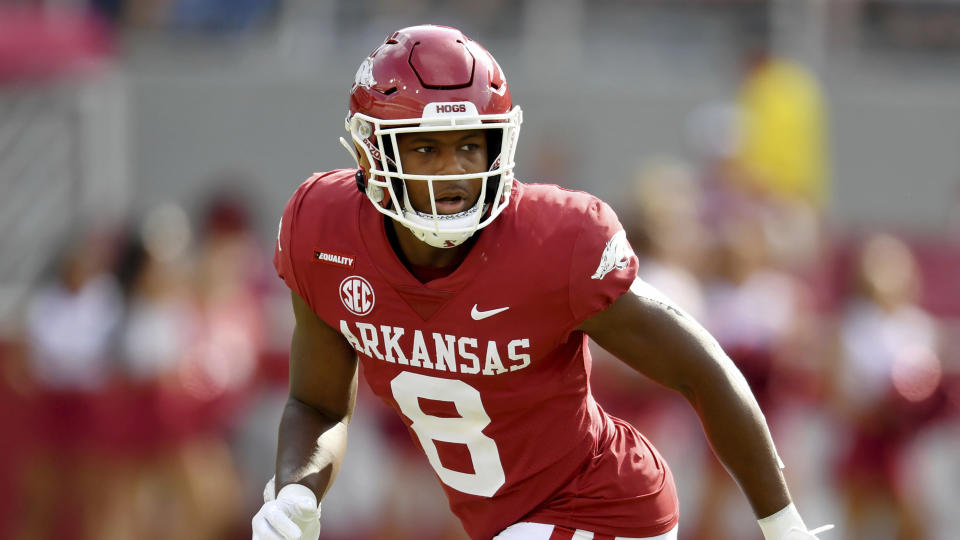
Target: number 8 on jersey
<point>466,429</point>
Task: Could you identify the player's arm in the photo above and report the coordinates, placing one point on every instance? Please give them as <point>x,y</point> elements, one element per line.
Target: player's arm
<point>313,429</point>
<point>671,348</point>
<point>323,389</point>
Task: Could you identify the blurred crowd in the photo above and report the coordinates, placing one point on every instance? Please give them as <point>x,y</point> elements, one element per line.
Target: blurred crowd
<point>137,357</point>
<point>848,339</point>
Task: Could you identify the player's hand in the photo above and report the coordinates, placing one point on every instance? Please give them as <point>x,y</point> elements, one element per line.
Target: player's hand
<point>270,490</point>
<point>787,525</point>
<point>293,514</point>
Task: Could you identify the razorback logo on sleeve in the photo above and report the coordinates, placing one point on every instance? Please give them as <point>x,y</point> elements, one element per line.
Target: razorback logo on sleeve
<point>616,255</point>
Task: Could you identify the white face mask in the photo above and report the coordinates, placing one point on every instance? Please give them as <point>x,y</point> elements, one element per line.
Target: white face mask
<point>423,227</point>
<point>433,228</point>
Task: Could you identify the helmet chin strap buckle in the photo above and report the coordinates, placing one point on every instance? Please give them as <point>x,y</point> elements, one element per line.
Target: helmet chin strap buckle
<point>375,193</point>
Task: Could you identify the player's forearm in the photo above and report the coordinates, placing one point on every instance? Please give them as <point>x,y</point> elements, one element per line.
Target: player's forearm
<point>739,436</point>
<point>310,447</point>
<point>731,417</point>
<point>649,333</point>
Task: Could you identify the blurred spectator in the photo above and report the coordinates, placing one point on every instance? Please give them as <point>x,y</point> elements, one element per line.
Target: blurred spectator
<point>886,383</point>
<point>143,360</point>
<point>71,325</point>
<point>934,465</point>
<point>226,277</point>
<point>716,135</point>
<point>216,374</point>
<point>752,308</point>
<point>154,272</point>
<point>157,447</point>
<point>782,151</point>
<point>72,318</point>
<point>781,154</point>
<point>668,234</point>
<point>756,312</point>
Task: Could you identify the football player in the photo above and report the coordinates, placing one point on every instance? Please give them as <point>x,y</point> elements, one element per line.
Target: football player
<point>468,297</point>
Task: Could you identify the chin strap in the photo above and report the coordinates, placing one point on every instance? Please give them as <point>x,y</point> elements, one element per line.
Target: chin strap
<point>424,225</point>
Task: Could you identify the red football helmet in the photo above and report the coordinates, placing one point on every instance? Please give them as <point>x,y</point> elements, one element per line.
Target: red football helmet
<point>432,78</point>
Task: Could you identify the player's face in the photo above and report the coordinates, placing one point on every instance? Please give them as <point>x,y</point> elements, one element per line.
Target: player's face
<point>444,152</point>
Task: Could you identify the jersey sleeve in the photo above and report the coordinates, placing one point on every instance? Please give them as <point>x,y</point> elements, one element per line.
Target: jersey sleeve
<point>604,264</point>
<point>285,255</point>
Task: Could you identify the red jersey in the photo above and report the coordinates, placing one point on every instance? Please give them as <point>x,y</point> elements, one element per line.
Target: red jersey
<point>486,366</point>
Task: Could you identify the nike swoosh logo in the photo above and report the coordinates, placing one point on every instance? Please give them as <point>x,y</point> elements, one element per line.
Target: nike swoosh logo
<point>478,315</point>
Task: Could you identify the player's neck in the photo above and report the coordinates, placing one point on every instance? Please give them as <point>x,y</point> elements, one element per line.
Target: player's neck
<point>413,251</point>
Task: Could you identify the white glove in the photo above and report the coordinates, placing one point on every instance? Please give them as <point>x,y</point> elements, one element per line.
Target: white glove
<point>270,490</point>
<point>293,515</point>
<point>797,534</point>
<point>787,525</point>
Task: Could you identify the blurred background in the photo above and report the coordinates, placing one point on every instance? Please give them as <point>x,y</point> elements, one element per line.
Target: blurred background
<point>788,171</point>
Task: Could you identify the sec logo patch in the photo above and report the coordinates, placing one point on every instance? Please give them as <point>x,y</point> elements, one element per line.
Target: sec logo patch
<point>357,295</point>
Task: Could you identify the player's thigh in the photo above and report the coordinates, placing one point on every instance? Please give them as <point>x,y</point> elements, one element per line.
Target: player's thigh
<point>542,531</point>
